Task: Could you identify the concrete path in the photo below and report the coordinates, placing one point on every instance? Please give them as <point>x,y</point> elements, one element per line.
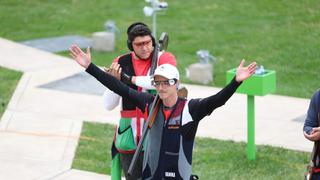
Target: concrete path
<point>39,130</point>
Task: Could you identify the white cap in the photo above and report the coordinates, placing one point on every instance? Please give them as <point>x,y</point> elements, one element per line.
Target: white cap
<point>168,71</point>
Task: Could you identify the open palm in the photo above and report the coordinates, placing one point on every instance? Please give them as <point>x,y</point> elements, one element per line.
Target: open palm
<point>245,72</point>
<point>83,59</point>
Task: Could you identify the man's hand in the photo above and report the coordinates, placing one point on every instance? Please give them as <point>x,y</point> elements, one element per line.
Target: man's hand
<point>114,70</point>
<point>83,59</point>
<point>314,134</point>
<point>245,72</point>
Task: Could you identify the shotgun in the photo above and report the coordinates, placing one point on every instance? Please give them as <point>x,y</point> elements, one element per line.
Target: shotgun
<point>161,46</point>
<point>152,115</point>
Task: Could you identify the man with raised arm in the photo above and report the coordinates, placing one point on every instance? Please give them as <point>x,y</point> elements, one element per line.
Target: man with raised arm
<point>169,146</point>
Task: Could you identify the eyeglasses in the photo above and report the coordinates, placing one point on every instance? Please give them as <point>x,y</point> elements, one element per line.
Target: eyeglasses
<point>169,82</point>
<point>143,43</point>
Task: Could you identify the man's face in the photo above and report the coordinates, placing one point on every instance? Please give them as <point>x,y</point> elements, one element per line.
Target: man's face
<point>164,89</point>
<point>142,47</point>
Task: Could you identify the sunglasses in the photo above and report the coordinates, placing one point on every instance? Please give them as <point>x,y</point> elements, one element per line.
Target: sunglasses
<point>169,82</point>
<point>143,43</point>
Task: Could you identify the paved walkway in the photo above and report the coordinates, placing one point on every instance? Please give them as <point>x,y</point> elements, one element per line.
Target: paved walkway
<point>39,130</point>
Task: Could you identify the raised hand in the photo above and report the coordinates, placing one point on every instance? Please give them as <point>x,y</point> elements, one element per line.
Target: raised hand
<point>83,59</point>
<point>245,72</point>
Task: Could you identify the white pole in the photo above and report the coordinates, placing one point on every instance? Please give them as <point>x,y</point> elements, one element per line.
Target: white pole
<point>154,19</point>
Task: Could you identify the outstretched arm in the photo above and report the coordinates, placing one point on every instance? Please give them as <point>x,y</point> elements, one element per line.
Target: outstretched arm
<point>199,108</point>
<point>84,60</point>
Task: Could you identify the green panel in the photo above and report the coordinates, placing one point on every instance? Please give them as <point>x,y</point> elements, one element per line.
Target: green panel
<point>259,85</point>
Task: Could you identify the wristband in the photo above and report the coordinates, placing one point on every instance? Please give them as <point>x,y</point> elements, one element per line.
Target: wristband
<point>125,78</point>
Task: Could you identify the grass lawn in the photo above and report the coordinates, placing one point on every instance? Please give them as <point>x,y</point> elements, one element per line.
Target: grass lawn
<point>212,159</point>
<point>281,35</point>
<point>93,153</point>
<point>8,82</point>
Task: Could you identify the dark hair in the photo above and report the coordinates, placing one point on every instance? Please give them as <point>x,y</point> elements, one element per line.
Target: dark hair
<point>138,29</point>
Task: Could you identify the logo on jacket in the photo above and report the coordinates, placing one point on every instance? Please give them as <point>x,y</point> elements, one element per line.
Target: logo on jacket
<point>170,174</point>
<point>174,122</point>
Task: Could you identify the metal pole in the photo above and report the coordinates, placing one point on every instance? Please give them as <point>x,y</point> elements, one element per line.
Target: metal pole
<point>154,19</point>
<point>251,149</point>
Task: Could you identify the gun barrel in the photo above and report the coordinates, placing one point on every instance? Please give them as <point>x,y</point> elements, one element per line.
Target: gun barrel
<point>153,111</point>
<point>163,41</point>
